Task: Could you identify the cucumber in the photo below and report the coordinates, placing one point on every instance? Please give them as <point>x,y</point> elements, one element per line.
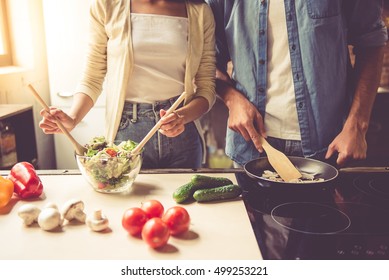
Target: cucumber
<point>218,193</point>
<point>206,182</point>
<point>184,192</point>
<point>197,182</point>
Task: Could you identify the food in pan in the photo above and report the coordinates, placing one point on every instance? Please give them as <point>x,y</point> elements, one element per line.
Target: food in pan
<point>306,177</point>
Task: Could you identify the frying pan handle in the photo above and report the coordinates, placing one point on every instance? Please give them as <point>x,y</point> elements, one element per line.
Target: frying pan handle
<point>364,169</point>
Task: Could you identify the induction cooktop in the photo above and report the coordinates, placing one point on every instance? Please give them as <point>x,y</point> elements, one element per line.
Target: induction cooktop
<point>348,221</point>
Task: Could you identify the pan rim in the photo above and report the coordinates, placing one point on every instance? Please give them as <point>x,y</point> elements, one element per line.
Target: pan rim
<point>336,171</point>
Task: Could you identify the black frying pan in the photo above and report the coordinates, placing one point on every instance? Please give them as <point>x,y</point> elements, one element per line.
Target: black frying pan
<point>329,173</point>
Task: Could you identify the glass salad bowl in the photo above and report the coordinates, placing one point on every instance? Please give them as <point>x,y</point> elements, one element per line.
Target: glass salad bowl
<point>110,168</point>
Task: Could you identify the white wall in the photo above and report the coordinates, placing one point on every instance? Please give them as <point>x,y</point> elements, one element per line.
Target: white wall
<point>28,46</point>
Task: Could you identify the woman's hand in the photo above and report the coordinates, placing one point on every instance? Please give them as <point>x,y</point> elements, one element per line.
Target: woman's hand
<point>48,124</point>
<point>172,124</point>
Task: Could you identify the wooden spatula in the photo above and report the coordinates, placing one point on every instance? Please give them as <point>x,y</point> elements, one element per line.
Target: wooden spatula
<point>80,150</point>
<point>280,162</point>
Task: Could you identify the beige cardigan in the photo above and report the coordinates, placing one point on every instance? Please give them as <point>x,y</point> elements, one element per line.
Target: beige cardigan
<point>110,57</point>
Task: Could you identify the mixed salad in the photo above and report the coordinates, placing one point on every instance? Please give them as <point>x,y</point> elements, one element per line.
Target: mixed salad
<point>110,165</point>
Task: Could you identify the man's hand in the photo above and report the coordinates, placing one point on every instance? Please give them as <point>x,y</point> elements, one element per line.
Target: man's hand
<point>245,119</point>
<point>350,144</point>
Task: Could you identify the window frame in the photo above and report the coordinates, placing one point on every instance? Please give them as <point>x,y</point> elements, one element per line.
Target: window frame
<point>6,58</point>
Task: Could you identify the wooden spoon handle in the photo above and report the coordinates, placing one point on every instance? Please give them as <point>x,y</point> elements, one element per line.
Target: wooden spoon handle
<point>174,106</point>
<point>264,143</point>
<point>78,147</point>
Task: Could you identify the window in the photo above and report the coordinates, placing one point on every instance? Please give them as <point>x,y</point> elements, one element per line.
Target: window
<point>5,50</point>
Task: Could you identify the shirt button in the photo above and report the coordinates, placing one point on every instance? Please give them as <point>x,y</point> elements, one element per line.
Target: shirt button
<point>261,89</point>
<point>261,61</point>
<point>293,47</point>
<point>261,32</point>
<point>301,105</point>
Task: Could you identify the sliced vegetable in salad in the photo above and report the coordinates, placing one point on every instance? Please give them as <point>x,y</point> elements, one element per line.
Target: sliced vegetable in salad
<point>109,165</point>
<point>100,145</point>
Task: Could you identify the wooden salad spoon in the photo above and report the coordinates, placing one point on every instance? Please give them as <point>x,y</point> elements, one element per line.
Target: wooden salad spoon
<point>80,150</point>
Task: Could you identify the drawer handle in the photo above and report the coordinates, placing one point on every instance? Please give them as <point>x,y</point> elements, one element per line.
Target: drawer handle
<point>65,94</point>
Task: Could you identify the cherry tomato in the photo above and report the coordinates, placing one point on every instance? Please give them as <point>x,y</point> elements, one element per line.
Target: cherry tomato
<point>111,152</point>
<point>153,208</point>
<point>133,220</point>
<point>155,233</point>
<point>6,191</point>
<point>177,219</point>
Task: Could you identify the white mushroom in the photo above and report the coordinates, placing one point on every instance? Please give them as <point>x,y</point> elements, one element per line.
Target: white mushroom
<point>98,222</point>
<point>74,209</point>
<point>29,213</point>
<point>50,218</point>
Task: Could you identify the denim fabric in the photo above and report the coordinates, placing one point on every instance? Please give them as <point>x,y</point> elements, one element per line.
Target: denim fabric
<point>182,151</point>
<point>319,32</point>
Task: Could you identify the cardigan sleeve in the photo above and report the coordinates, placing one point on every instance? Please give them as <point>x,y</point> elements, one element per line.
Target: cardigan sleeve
<point>205,76</point>
<point>95,66</point>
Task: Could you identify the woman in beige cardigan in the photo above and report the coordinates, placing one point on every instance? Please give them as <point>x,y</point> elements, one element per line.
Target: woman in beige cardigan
<point>147,53</point>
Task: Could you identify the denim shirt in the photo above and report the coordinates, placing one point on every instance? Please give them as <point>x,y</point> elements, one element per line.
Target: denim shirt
<point>319,32</point>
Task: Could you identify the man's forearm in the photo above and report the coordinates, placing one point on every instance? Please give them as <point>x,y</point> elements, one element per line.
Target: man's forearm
<point>225,88</point>
<point>367,74</point>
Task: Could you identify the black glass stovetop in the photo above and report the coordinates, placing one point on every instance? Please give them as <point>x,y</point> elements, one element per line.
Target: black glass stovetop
<point>350,220</point>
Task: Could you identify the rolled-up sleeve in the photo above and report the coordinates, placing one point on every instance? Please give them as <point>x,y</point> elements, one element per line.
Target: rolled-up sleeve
<point>365,25</point>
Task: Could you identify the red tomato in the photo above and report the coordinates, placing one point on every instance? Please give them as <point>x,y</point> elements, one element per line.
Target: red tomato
<point>111,152</point>
<point>155,233</point>
<point>133,220</point>
<point>153,208</point>
<point>177,219</point>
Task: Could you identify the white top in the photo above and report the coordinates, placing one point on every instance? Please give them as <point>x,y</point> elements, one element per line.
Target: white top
<point>280,123</point>
<point>160,48</point>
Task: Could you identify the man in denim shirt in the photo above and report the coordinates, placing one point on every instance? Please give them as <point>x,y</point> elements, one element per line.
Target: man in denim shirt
<point>292,80</point>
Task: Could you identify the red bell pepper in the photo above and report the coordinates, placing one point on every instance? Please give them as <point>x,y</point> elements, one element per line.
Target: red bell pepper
<point>27,184</point>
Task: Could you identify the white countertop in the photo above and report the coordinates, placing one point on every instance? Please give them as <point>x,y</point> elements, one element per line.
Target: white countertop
<point>218,230</point>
